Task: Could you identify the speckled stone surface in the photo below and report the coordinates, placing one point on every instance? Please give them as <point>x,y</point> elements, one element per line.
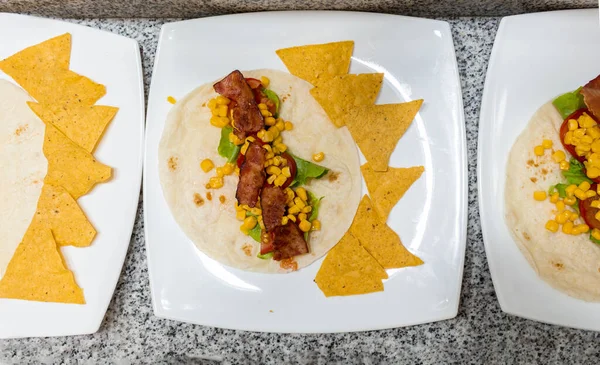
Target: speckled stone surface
<point>196,8</point>
<point>480,334</point>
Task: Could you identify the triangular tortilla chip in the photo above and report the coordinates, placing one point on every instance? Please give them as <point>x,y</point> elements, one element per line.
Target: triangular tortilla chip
<point>318,62</point>
<point>377,128</point>
<point>343,93</point>
<point>379,239</point>
<point>58,211</point>
<point>37,271</point>
<point>70,166</point>
<point>388,187</point>
<point>53,54</point>
<point>349,269</point>
<point>83,124</point>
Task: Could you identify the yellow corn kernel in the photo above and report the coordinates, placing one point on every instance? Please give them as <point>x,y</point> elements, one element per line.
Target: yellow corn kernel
<point>228,168</point>
<point>562,218</point>
<point>290,204</point>
<point>223,100</point>
<point>560,206</point>
<point>585,121</point>
<point>267,147</point>
<point>276,161</point>
<point>265,81</point>
<point>284,221</point>
<point>282,161</point>
<point>289,126</point>
<point>316,225</point>
<point>302,194</point>
<point>261,134</point>
<point>580,194</point>
<point>219,122</point>
<point>220,172</point>
<point>212,103</point>
<point>573,216</point>
<point>547,144</point>
<point>554,198</point>
<point>263,106</point>
<point>570,200</point>
<point>539,195</point>
<point>286,172</point>
<point>222,110</point>
<point>261,223</point>
<point>275,133</point>
<point>559,156</point>
<point>564,165</point>
<point>244,148</point>
<point>235,140</point>
<point>281,147</point>
<point>267,136</point>
<point>302,216</point>
<point>245,206</point>
<point>569,137</point>
<point>273,170</point>
<point>570,190</point>
<point>206,165</point>
<point>270,121</point>
<point>271,179</point>
<point>585,186</point>
<point>596,233</point>
<point>595,204</point>
<point>593,173</point>
<point>265,113</point>
<point>590,194</point>
<point>586,140</point>
<point>318,157</point>
<point>249,222</point>
<point>573,125</point>
<point>294,209</point>
<point>280,125</point>
<point>305,225</point>
<point>593,132</point>
<point>579,133</point>
<point>215,182</point>
<point>582,228</point>
<point>538,150</point>
<point>552,226</point>
<point>291,217</point>
<point>269,156</point>
<point>290,194</point>
<point>240,215</point>
<point>307,209</point>
<point>597,215</point>
<point>237,171</point>
<point>256,211</point>
<point>300,203</point>
<point>567,228</point>
<point>280,180</point>
<point>596,145</point>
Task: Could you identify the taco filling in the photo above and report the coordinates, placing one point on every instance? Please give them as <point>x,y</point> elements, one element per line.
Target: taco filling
<point>274,207</point>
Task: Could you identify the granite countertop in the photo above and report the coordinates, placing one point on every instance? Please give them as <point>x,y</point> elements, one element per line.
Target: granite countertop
<point>480,334</point>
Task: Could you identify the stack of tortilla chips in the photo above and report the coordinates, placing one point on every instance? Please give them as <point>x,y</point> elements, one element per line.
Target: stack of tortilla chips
<point>74,126</point>
<point>356,265</point>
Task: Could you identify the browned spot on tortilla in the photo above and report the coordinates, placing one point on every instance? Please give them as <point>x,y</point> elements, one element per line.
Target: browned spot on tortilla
<point>533,179</point>
<point>247,248</point>
<point>204,104</point>
<point>209,195</point>
<point>289,264</point>
<point>333,176</point>
<point>558,265</point>
<point>527,237</point>
<point>21,129</point>
<point>198,200</point>
<point>530,162</point>
<point>222,199</point>
<point>270,311</point>
<point>173,163</point>
<point>544,172</point>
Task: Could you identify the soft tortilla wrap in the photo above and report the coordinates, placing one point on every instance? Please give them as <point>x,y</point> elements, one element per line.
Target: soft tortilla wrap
<point>569,263</point>
<point>188,138</point>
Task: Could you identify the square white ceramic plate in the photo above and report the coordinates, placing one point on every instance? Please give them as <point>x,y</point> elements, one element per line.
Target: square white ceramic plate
<point>535,58</point>
<point>417,57</point>
<point>114,61</point>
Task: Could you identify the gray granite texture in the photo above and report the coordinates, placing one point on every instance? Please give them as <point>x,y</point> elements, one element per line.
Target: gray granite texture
<point>197,8</point>
<point>480,334</point>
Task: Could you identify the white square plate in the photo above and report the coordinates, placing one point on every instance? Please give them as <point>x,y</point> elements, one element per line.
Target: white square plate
<point>418,59</point>
<point>114,61</point>
<point>535,58</point>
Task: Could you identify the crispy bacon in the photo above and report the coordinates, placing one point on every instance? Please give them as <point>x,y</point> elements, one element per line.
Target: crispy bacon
<point>288,242</point>
<point>272,202</point>
<point>591,96</point>
<point>246,115</point>
<point>252,175</point>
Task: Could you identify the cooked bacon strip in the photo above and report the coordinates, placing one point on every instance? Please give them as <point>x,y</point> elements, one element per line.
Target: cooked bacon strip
<point>252,175</point>
<point>272,202</point>
<point>289,242</point>
<point>591,96</point>
<point>246,115</point>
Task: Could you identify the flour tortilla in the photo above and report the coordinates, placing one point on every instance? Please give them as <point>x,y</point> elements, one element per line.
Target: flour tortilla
<point>22,167</point>
<point>569,263</point>
<point>188,138</point>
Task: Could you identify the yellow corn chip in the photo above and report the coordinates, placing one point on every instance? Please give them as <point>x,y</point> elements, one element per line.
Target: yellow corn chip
<point>55,53</point>
<point>37,271</point>
<point>70,166</point>
<point>379,239</point>
<point>348,269</point>
<point>58,211</point>
<point>377,128</point>
<point>83,124</point>
<point>388,187</point>
<point>318,62</point>
<point>343,93</point>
